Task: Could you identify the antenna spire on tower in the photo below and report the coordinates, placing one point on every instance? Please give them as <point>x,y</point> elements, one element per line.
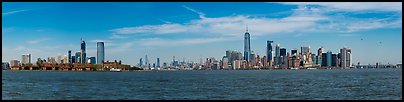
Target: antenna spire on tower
<point>246,27</point>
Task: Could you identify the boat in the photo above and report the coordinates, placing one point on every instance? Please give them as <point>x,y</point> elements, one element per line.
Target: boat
<point>311,68</point>
<point>294,68</point>
<point>115,70</point>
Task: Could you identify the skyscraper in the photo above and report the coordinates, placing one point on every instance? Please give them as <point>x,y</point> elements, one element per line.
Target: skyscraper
<point>78,57</point>
<point>140,62</point>
<point>329,58</point>
<point>146,61</point>
<point>269,51</point>
<point>100,53</point>
<point>59,59</point>
<point>69,56</point>
<point>324,59</point>
<point>334,60</point>
<point>282,51</point>
<point>26,59</point>
<point>277,54</point>
<point>158,62</point>
<point>320,51</point>
<point>65,60</point>
<point>83,51</point>
<point>346,57</point>
<point>247,49</point>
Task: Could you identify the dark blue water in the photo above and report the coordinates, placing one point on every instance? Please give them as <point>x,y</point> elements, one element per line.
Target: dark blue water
<point>368,84</point>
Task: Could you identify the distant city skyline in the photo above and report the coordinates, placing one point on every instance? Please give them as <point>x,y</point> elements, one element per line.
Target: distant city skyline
<point>192,31</point>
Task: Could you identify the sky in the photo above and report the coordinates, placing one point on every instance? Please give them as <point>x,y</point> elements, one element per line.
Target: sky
<point>194,30</point>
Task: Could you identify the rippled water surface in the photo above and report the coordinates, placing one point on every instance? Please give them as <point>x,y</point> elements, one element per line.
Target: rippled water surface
<point>368,84</point>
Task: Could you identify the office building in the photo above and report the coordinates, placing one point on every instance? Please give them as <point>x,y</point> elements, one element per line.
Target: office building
<point>324,59</point>
<point>65,59</point>
<point>83,52</point>
<point>26,59</point>
<point>329,58</point>
<point>14,63</point>
<point>277,54</point>
<point>269,52</point>
<point>59,61</point>
<point>247,48</point>
<point>69,53</point>
<point>91,60</point>
<point>334,60</point>
<point>100,53</point>
<point>158,62</point>
<point>346,57</point>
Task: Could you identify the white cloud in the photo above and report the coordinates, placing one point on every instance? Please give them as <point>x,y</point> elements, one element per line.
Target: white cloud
<point>37,41</point>
<point>105,41</point>
<point>114,36</point>
<point>12,12</point>
<point>156,29</point>
<point>355,6</point>
<point>180,42</point>
<point>302,19</point>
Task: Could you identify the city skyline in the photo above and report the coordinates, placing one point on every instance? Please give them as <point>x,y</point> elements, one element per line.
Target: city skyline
<point>198,32</point>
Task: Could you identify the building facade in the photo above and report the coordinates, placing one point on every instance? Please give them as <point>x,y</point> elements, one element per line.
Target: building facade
<point>100,53</point>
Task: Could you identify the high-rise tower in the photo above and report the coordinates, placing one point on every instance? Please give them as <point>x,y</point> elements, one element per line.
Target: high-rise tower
<point>247,49</point>
<point>100,52</point>
<point>269,51</point>
<point>83,51</point>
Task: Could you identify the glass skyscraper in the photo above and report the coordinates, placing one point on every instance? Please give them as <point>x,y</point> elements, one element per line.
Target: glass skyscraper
<point>100,52</point>
<point>247,49</point>
<point>269,50</point>
<point>70,56</point>
<point>83,51</point>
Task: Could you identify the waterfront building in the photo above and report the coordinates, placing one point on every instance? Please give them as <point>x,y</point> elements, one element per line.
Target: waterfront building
<point>320,51</point>
<point>324,59</point>
<point>334,60</point>
<point>253,60</point>
<point>164,65</point>
<point>288,60</point>
<point>269,53</point>
<point>69,53</point>
<point>59,61</point>
<point>26,59</point>
<point>277,54</point>
<point>228,56</point>
<point>91,60</point>
<point>5,65</point>
<point>65,60</point>
<point>329,58</point>
<point>100,52</point>
<point>225,63</point>
<point>346,57</point>
<point>83,51</point>
<point>264,61</point>
<point>73,59</point>
<point>140,62</point>
<point>158,62</point>
<point>247,48</point>
<point>14,63</point>
<point>237,64</point>
<point>78,57</point>
<point>282,52</point>
<point>258,61</point>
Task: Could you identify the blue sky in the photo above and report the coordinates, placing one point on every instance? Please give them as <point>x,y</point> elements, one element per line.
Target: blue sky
<point>194,30</point>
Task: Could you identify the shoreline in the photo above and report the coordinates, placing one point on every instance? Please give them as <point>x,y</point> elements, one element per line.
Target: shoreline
<point>195,70</point>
